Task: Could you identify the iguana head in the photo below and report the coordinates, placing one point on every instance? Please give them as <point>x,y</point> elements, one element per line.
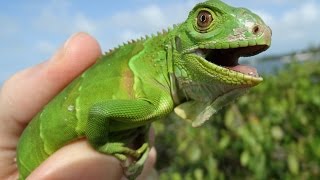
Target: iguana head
<point>208,46</point>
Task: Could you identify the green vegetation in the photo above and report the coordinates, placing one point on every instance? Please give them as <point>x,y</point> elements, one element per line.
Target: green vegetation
<point>271,133</point>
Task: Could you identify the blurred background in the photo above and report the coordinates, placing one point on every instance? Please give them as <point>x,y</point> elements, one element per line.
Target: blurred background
<point>271,133</point>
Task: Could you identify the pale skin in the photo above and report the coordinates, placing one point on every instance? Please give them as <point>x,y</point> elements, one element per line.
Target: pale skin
<point>25,93</point>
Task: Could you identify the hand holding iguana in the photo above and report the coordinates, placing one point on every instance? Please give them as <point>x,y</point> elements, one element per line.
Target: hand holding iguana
<point>23,95</point>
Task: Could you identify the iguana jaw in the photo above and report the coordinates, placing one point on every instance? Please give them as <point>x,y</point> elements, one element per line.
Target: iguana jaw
<point>229,59</point>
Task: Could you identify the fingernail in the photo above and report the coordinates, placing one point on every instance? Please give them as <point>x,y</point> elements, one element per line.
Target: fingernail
<point>70,39</point>
<point>61,51</point>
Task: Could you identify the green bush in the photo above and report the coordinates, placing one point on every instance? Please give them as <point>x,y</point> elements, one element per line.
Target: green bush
<point>273,132</point>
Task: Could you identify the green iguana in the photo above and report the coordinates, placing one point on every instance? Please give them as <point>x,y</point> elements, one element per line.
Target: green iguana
<point>191,69</point>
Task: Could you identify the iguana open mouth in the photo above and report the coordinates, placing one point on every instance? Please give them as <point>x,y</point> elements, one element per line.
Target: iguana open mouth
<point>229,58</point>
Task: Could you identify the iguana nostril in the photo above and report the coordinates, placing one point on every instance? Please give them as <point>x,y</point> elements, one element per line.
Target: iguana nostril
<point>256,29</point>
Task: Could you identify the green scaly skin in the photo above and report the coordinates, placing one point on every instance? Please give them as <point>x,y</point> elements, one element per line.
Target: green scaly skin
<point>191,69</point>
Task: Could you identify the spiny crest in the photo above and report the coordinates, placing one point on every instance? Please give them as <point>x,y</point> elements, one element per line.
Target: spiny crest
<point>142,38</point>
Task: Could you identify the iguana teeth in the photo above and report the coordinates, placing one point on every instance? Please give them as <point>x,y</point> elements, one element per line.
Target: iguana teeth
<point>200,53</point>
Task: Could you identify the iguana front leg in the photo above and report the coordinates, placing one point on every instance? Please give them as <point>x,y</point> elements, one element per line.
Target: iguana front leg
<point>131,114</point>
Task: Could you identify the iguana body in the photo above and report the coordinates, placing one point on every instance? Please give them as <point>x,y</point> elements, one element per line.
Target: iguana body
<point>191,69</point>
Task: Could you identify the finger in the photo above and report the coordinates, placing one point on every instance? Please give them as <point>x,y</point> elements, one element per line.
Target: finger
<point>44,81</point>
<point>148,168</point>
<point>28,91</point>
<point>22,96</point>
<point>78,161</point>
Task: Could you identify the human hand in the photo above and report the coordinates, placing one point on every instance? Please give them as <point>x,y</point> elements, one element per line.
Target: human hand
<point>24,94</point>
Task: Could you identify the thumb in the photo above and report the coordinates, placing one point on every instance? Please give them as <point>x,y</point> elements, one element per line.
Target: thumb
<point>25,93</point>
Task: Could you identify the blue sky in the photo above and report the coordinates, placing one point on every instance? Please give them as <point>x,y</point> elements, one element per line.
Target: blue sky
<point>32,30</point>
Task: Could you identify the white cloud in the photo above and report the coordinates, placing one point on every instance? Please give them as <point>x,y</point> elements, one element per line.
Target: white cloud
<point>144,19</point>
<point>284,1</point>
<point>307,13</point>
<point>58,17</point>
<point>267,17</point>
<point>153,16</point>
<point>126,25</point>
<point>53,16</point>
<point>83,23</point>
<point>51,22</point>
<point>294,29</point>
<point>297,28</point>
<point>127,35</point>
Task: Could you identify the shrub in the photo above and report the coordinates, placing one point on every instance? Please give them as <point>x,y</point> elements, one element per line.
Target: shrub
<point>273,132</point>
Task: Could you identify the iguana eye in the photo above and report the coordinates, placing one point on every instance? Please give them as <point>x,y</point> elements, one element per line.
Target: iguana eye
<point>204,19</point>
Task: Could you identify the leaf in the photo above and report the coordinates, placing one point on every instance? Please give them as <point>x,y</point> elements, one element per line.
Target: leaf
<point>293,164</point>
<point>245,158</point>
